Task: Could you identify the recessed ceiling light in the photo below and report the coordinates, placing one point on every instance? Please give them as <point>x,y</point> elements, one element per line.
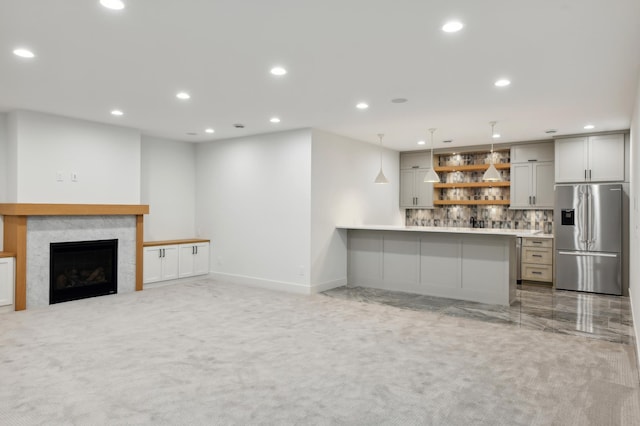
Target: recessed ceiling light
<point>209,130</point>
<point>239,126</point>
<point>503,82</point>
<point>452,26</point>
<point>113,4</point>
<point>275,120</point>
<point>278,71</point>
<point>117,112</point>
<point>183,95</point>
<point>24,53</point>
<point>399,100</point>
<point>421,142</point>
<point>362,105</point>
<point>589,127</point>
<point>496,135</point>
<point>447,141</point>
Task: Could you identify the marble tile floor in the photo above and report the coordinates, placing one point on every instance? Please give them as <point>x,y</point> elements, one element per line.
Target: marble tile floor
<point>538,307</point>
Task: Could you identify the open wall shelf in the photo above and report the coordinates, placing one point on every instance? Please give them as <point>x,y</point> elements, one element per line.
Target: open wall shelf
<point>471,185</point>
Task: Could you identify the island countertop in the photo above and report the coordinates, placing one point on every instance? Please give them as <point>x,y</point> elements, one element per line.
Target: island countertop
<point>445,229</point>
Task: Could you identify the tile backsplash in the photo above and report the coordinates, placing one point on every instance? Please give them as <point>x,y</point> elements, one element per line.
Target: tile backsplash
<point>489,216</point>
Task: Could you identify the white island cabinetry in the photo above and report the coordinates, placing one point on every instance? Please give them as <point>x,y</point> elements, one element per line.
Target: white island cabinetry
<point>460,263</point>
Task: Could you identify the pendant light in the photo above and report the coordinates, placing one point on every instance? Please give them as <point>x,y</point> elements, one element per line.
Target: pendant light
<point>381,178</point>
<point>492,174</point>
<point>431,175</point>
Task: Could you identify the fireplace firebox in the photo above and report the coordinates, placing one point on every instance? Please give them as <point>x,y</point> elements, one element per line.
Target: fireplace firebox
<point>82,269</point>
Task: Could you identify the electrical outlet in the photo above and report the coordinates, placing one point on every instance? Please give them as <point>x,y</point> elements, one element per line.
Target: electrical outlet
<point>74,176</point>
<point>60,176</point>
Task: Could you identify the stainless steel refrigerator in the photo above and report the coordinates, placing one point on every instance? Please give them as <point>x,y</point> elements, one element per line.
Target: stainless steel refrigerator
<point>588,238</point>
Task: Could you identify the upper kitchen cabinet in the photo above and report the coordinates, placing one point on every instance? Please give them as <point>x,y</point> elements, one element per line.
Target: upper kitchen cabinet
<point>590,159</point>
<point>415,160</point>
<point>414,192</point>
<point>532,176</point>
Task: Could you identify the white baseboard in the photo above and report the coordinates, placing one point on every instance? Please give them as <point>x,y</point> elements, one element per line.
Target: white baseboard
<point>262,283</point>
<point>636,328</point>
<point>328,285</point>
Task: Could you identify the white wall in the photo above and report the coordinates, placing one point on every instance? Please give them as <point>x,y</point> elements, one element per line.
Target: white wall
<point>253,201</point>
<point>634,219</point>
<point>343,192</point>
<point>168,185</point>
<point>106,158</point>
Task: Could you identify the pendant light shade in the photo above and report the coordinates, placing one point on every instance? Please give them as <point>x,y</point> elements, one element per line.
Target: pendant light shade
<point>431,175</point>
<point>381,178</point>
<point>492,174</point>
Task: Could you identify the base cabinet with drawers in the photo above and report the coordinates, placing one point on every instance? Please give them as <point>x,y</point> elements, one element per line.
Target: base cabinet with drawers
<point>168,260</point>
<point>537,259</point>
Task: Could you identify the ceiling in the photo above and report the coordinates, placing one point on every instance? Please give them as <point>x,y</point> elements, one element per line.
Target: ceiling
<point>571,62</point>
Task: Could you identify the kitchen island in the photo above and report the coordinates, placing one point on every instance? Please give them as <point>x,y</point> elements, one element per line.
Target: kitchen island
<point>475,264</point>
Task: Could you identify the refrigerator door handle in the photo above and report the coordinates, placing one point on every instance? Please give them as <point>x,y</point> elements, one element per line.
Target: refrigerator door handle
<point>587,253</point>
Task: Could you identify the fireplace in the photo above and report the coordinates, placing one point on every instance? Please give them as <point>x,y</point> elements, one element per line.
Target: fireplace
<point>82,269</point>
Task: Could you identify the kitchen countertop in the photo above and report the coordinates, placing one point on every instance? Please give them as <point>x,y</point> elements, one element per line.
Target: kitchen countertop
<point>450,230</point>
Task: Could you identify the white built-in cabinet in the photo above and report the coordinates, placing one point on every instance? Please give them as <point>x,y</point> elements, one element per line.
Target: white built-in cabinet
<point>415,193</point>
<point>532,176</point>
<point>590,159</point>
<point>7,280</point>
<point>194,259</point>
<point>160,263</point>
<point>168,260</point>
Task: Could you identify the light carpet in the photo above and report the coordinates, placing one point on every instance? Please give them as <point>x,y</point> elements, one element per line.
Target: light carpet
<point>209,352</point>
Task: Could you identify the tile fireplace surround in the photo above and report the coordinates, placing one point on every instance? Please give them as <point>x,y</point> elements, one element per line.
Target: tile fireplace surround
<point>29,228</point>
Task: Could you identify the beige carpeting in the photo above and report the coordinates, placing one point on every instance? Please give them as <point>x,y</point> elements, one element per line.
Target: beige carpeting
<point>208,352</point>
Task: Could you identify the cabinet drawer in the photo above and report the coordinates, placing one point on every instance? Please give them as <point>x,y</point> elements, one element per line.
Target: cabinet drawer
<point>537,272</point>
<point>537,242</point>
<point>542,256</point>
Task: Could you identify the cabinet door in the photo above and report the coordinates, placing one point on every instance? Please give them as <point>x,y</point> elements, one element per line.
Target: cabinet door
<point>187,255</point>
<point>407,188</point>
<point>571,159</point>
<point>152,266</point>
<point>170,263</point>
<point>7,281</point>
<point>532,152</point>
<point>418,160</point>
<point>543,185</point>
<point>521,187</point>
<point>424,190</point>
<point>201,259</point>
<point>606,158</point>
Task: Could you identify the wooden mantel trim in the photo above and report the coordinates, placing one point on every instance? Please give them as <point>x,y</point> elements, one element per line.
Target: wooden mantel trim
<point>22,209</point>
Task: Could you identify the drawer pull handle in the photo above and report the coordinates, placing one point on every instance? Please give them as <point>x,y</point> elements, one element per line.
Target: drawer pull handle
<point>536,272</point>
<point>537,242</point>
<point>536,255</point>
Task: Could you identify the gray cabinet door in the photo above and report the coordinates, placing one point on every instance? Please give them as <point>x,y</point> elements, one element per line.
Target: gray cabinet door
<point>543,179</point>
<point>407,188</point>
<point>424,190</point>
<point>521,186</point>
<point>606,158</point>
